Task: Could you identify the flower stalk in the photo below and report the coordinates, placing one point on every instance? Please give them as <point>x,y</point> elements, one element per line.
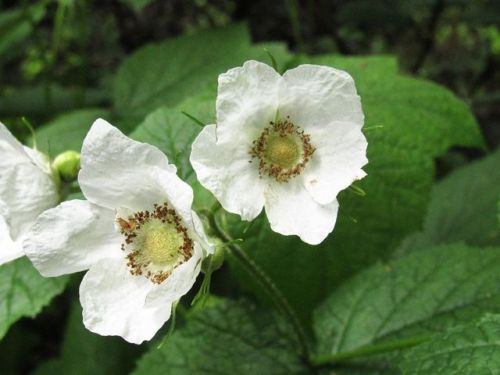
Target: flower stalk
<point>266,283</point>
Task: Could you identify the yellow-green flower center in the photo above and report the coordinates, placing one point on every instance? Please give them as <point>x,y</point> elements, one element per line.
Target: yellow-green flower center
<point>282,150</point>
<point>160,242</point>
<point>156,241</point>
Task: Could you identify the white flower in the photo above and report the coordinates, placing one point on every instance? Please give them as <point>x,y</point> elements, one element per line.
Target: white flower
<point>288,143</point>
<point>136,234</point>
<point>26,190</point>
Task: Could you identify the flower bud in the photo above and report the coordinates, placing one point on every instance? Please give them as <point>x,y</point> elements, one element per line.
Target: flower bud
<point>67,165</point>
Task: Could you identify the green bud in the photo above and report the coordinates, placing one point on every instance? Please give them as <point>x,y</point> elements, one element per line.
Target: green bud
<point>67,165</point>
<point>214,261</point>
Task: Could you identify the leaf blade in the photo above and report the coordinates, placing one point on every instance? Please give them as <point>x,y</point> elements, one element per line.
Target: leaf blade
<point>471,349</point>
<point>23,292</point>
<point>227,338</point>
<point>420,294</point>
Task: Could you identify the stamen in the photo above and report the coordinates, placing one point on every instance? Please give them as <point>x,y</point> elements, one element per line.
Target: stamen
<point>283,150</point>
<point>157,242</point>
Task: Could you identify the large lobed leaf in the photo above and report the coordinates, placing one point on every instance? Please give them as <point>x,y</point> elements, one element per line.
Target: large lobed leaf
<point>412,297</point>
<point>228,338</point>
<point>67,131</point>
<point>23,292</point>
<point>167,73</point>
<point>471,349</point>
<point>173,132</point>
<point>463,207</point>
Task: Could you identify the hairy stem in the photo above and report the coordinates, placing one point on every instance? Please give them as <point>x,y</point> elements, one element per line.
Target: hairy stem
<point>267,284</point>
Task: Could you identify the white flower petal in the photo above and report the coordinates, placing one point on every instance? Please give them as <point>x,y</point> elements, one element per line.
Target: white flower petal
<point>224,169</point>
<point>247,100</point>
<point>179,283</point>
<point>313,95</point>
<point>26,187</point>
<point>9,250</point>
<point>291,210</point>
<point>340,154</point>
<point>115,170</point>
<point>170,188</point>
<point>41,160</point>
<point>11,149</point>
<point>28,192</point>
<point>72,237</point>
<point>117,303</point>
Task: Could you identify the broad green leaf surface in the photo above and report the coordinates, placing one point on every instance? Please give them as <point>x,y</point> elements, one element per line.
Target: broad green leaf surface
<point>173,132</point>
<point>23,292</point>
<point>415,296</point>
<point>463,207</point>
<point>471,349</point>
<point>34,101</point>
<point>164,74</point>
<point>374,66</point>
<point>228,338</point>
<point>84,352</point>
<point>67,131</point>
<point>420,121</point>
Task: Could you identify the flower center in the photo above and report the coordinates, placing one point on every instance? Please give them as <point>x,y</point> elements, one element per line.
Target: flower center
<point>156,242</point>
<point>160,242</point>
<point>283,150</point>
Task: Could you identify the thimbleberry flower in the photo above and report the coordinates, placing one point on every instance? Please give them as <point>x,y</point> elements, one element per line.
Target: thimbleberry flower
<point>288,143</point>
<point>135,234</point>
<point>27,188</point>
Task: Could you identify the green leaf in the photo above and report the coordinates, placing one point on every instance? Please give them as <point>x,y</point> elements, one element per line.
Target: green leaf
<point>67,131</point>
<point>173,132</point>
<point>23,292</point>
<point>370,67</point>
<point>409,298</point>
<point>463,207</point>
<point>34,100</point>
<point>84,352</point>
<point>164,74</point>
<point>228,338</point>
<point>471,349</point>
<point>420,121</point>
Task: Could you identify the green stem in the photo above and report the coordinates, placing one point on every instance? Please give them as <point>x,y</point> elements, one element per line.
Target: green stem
<point>368,350</point>
<point>269,287</point>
